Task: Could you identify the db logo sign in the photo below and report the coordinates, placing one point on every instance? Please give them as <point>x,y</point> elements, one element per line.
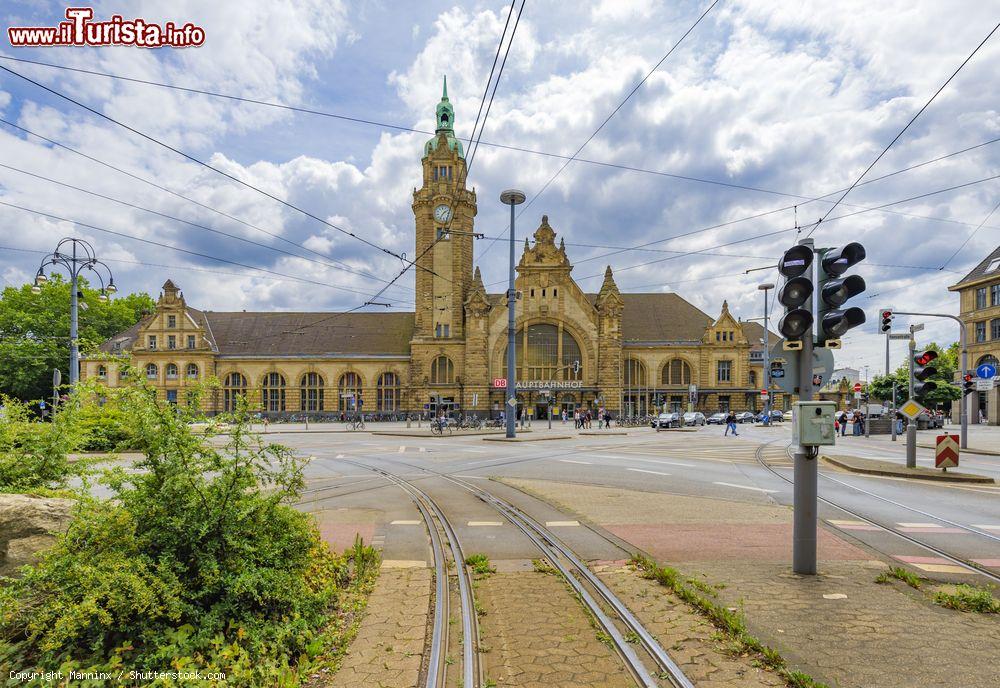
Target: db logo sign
<point>499,383</point>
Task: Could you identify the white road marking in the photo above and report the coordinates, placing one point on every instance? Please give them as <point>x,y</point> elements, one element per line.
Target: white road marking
<point>476,524</point>
<point>405,523</point>
<point>585,463</point>
<point>987,527</point>
<point>918,525</point>
<point>402,448</point>
<point>474,477</point>
<point>669,463</point>
<point>639,470</point>
<point>561,524</point>
<point>744,487</point>
<point>423,449</point>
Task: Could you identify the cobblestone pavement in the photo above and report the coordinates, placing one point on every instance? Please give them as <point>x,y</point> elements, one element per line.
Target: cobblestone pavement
<point>840,626</point>
<point>388,649</point>
<point>684,634</point>
<point>538,636</point>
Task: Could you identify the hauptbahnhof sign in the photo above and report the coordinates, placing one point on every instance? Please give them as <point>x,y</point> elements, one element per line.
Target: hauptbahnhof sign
<point>501,383</point>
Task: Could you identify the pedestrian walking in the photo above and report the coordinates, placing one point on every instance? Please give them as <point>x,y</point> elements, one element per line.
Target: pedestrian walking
<point>731,424</point>
<point>843,424</point>
<point>576,418</point>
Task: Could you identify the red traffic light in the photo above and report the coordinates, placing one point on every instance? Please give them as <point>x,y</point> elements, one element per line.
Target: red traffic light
<point>886,314</point>
<point>967,377</point>
<point>925,358</point>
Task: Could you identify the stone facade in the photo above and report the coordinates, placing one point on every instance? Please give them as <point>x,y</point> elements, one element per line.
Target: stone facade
<point>979,309</point>
<point>631,353</point>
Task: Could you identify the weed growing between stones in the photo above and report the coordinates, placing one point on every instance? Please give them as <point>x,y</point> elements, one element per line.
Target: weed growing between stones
<point>730,623</point>
<point>480,564</point>
<point>899,573</point>
<point>969,598</point>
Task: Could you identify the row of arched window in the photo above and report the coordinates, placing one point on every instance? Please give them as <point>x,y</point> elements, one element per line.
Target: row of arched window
<point>674,373</point>
<point>171,371</point>
<point>312,392</point>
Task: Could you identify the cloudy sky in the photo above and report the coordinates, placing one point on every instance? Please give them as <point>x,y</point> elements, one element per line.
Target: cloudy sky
<point>793,99</point>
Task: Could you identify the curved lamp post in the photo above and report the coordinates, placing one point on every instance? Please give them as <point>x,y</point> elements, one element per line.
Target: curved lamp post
<point>511,197</point>
<point>76,255</point>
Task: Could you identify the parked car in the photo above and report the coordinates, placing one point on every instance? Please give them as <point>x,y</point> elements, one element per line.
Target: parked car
<point>716,419</point>
<point>743,417</point>
<point>776,416</point>
<point>694,418</point>
<point>666,420</point>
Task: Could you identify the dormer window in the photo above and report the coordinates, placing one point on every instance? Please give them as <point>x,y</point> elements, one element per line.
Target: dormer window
<point>171,321</point>
<point>152,342</point>
<point>994,265</point>
<point>190,341</point>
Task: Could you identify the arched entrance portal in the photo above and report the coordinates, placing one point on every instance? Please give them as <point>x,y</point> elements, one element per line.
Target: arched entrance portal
<point>547,352</point>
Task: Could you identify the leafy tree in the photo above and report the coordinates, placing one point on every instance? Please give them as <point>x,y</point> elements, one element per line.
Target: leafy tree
<point>34,332</point>
<point>947,364</point>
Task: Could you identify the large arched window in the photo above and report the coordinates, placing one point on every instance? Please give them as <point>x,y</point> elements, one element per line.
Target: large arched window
<point>272,395</point>
<point>988,358</point>
<point>171,371</point>
<point>388,392</point>
<point>676,372</point>
<point>634,375</point>
<point>152,372</point>
<point>442,371</point>
<point>546,352</point>
<point>233,387</point>
<point>311,392</point>
<point>192,371</point>
<point>350,391</point>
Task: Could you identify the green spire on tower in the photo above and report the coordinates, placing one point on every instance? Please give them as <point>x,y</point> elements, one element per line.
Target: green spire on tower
<point>445,124</point>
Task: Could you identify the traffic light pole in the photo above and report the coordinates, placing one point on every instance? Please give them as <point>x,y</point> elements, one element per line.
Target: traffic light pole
<point>911,427</point>
<point>804,509</point>
<point>964,402</point>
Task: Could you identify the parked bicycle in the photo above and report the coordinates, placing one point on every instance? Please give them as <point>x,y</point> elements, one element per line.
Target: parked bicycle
<point>356,423</point>
<point>440,426</point>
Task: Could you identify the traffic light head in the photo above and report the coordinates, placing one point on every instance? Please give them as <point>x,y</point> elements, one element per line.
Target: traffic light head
<point>836,292</point>
<point>968,384</point>
<point>925,358</point>
<point>796,323</point>
<point>835,323</point>
<point>922,370</point>
<point>886,316</point>
<point>836,261</point>
<point>796,261</point>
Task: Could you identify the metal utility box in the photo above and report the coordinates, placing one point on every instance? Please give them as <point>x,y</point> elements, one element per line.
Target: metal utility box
<point>814,423</point>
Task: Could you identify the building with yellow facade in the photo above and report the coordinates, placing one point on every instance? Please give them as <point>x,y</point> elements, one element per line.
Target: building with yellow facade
<point>979,309</point>
<point>633,353</point>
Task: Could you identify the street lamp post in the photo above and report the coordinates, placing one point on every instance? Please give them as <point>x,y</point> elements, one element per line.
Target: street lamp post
<point>767,357</point>
<point>511,197</point>
<point>76,255</point>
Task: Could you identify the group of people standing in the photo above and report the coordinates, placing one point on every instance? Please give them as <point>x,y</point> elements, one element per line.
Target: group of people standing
<point>856,418</point>
<point>583,418</point>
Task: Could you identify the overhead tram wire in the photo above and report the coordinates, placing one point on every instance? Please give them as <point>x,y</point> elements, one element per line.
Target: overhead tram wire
<point>969,238</point>
<point>776,232</point>
<point>171,217</point>
<point>903,130</point>
<point>520,149</point>
<point>333,262</point>
<point>373,300</point>
<point>223,173</point>
<point>608,118</point>
<point>179,249</point>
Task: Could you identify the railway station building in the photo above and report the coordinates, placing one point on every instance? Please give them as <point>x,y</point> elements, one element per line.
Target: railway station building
<point>632,353</point>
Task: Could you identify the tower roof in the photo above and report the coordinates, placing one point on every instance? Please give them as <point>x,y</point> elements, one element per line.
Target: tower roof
<point>445,115</point>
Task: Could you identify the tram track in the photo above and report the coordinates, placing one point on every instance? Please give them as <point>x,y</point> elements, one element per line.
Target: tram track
<point>968,565</point>
<point>613,616</point>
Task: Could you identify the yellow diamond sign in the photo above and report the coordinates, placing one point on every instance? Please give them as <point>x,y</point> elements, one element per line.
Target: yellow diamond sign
<point>911,409</point>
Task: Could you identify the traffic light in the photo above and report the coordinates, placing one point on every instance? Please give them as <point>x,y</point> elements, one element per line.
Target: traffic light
<point>886,326</point>
<point>795,295</point>
<point>968,384</point>
<point>835,289</point>
<point>922,369</point>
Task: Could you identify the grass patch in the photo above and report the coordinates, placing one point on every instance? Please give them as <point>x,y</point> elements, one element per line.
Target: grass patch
<point>899,573</point>
<point>729,622</point>
<point>480,564</point>
<point>542,566</point>
<point>969,598</point>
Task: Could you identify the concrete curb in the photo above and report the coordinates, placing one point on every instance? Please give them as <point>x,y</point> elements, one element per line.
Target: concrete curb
<point>602,433</point>
<point>872,467</point>
<point>540,438</point>
<point>427,433</point>
<point>984,452</point>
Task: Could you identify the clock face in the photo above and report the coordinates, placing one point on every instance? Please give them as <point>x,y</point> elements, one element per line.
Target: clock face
<point>442,213</point>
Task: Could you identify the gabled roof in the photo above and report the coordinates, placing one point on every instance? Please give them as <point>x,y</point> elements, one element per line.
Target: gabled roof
<point>662,317</point>
<point>754,332</point>
<point>979,272</point>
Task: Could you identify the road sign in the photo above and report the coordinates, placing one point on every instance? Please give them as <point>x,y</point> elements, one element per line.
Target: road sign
<point>822,365</point>
<point>902,335</point>
<point>777,372</point>
<point>946,451</point>
<point>984,385</point>
<point>911,409</point>
<point>763,394</point>
<point>857,395</point>
<point>857,387</point>
<point>986,371</point>
<point>56,377</point>
<point>512,402</point>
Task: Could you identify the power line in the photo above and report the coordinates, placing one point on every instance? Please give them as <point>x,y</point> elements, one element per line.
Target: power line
<point>176,248</point>
<point>171,217</point>
<point>608,118</point>
<point>969,238</point>
<point>903,130</point>
<point>206,165</point>
<point>155,185</point>
<point>520,149</point>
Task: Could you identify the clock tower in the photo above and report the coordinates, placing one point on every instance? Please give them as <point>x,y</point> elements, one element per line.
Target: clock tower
<point>443,210</point>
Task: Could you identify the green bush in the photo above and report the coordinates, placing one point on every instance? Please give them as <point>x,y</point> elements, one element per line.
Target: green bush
<point>199,562</point>
<point>32,453</point>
